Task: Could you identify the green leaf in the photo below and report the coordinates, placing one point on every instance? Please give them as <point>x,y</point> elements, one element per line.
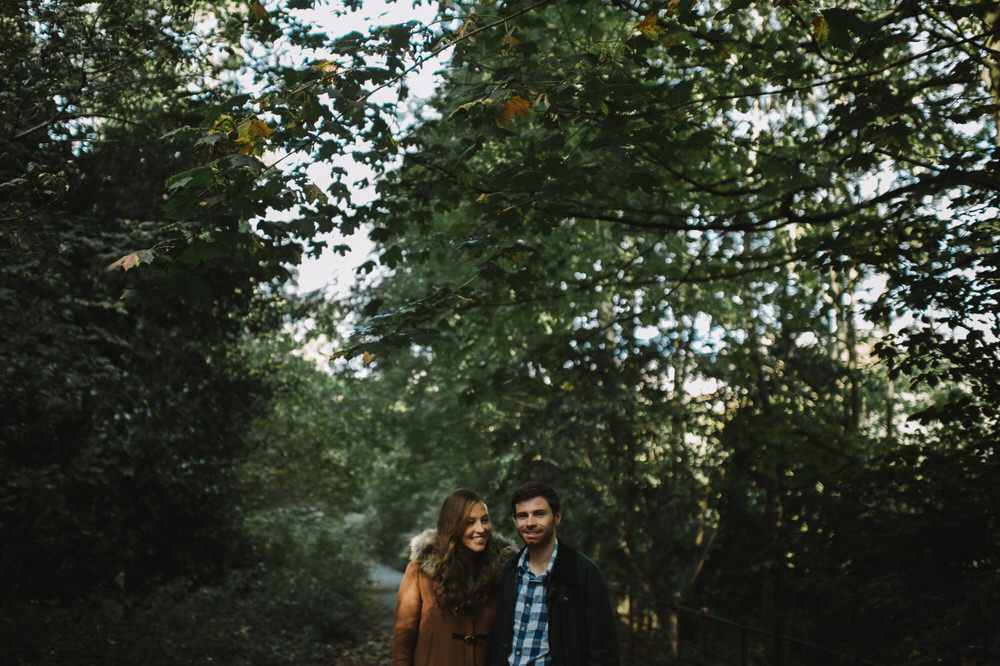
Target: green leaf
<point>849,19</point>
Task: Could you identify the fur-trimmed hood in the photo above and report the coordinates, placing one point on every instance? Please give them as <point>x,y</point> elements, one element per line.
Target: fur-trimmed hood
<point>424,551</point>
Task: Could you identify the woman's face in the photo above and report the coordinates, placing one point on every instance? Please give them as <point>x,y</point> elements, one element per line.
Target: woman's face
<point>477,528</point>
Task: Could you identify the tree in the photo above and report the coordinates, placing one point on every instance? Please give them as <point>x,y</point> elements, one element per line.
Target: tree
<point>633,230</point>
<point>141,276</point>
<point>125,407</point>
<point>630,245</point>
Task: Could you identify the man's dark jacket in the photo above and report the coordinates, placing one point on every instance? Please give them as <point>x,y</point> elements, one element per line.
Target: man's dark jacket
<point>582,628</point>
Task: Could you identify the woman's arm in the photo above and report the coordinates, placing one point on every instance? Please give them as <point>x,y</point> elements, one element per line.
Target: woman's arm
<point>408,605</point>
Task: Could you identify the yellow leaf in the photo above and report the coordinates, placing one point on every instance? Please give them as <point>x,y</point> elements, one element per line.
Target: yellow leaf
<point>515,106</point>
<point>257,128</point>
<point>257,11</point>
<point>468,106</point>
<point>326,66</point>
<point>243,146</point>
<point>820,29</point>
<point>509,39</point>
<point>483,198</point>
<point>367,358</point>
<point>126,262</point>
<point>313,193</point>
<point>327,69</point>
<point>650,26</point>
<point>471,25</point>
<point>223,124</point>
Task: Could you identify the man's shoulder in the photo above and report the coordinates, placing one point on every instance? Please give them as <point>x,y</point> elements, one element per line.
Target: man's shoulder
<point>581,558</point>
<point>572,561</point>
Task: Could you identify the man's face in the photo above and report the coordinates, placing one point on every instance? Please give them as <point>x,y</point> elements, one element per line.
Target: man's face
<point>535,522</point>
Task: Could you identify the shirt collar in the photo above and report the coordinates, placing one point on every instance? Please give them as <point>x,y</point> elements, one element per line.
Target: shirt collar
<point>522,561</point>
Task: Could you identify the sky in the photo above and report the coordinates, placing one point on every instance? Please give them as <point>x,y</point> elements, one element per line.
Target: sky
<point>331,272</point>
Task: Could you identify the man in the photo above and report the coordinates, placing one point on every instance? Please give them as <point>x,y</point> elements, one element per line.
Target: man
<point>553,607</point>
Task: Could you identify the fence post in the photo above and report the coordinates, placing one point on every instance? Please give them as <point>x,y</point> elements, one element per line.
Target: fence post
<point>704,635</point>
<point>630,646</point>
<point>673,635</point>
<point>743,644</point>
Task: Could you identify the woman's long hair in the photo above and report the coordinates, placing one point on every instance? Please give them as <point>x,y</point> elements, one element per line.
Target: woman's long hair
<point>465,578</point>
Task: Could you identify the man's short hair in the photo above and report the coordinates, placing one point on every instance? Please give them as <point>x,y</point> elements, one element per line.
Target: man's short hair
<point>534,489</point>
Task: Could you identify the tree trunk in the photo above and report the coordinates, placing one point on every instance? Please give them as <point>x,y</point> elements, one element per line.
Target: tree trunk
<point>991,75</point>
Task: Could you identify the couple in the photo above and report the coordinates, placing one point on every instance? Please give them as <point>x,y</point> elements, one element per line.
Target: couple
<point>467,600</point>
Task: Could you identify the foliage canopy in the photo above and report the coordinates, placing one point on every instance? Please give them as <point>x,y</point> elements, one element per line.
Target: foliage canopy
<point>725,272</point>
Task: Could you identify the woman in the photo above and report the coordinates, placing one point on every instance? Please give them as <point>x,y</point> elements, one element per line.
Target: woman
<point>447,600</point>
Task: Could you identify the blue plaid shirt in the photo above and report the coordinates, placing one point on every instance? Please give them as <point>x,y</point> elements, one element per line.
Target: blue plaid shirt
<point>530,646</point>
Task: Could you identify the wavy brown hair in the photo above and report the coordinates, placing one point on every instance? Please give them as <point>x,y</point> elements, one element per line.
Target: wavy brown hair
<point>464,578</point>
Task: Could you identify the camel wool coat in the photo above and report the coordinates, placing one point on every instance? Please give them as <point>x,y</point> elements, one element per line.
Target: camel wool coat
<point>425,633</point>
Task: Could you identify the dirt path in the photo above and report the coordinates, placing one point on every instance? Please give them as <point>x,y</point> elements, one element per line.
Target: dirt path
<point>386,582</point>
<point>375,648</point>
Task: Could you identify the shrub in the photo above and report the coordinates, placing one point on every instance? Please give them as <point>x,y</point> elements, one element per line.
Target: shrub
<point>301,590</point>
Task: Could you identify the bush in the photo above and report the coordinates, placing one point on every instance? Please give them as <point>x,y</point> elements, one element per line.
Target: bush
<point>301,591</point>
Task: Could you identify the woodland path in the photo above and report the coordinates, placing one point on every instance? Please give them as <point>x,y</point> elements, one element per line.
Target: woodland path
<point>375,646</point>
